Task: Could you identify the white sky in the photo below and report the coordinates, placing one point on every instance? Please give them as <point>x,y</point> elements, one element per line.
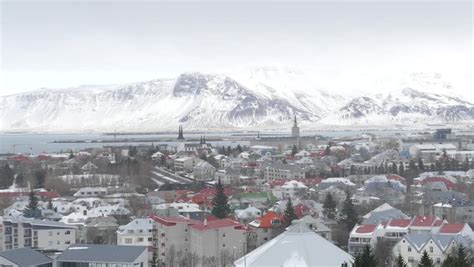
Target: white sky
<point>69,43</point>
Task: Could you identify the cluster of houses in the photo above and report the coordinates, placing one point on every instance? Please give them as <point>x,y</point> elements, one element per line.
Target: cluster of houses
<point>99,221</point>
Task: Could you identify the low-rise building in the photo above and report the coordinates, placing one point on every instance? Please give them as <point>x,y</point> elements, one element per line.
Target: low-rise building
<point>24,257</point>
<point>138,232</point>
<point>267,226</point>
<point>21,232</point>
<point>103,255</point>
<point>203,171</point>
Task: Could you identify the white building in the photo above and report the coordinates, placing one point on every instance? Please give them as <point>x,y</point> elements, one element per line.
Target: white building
<point>91,192</point>
<point>203,171</point>
<point>186,163</point>
<point>292,189</point>
<point>222,239</point>
<point>21,232</point>
<point>172,236</point>
<point>138,232</point>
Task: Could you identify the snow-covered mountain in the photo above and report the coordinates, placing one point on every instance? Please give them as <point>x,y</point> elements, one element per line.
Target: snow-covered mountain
<point>264,98</point>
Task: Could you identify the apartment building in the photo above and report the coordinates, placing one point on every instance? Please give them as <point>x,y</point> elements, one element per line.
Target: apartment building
<point>171,235</point>
<point>138,232</point>
<point>18,232</point>
<point>223,239</point>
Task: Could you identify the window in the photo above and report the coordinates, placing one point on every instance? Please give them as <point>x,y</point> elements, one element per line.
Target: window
<point>149,239</point>
<point>431,249</point>
<point>128,241</point>
<point>223,235</point>
<point>50,233</point>
<point>67,233</point>
<point>438,260</point>
<point>140,239</point>
<point>409,249</point>
<point>410,259</point>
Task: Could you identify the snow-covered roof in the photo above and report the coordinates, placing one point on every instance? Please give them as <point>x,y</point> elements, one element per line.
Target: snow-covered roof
<point>296,247</point>
<point>293,184</point>
<point>338,180</point>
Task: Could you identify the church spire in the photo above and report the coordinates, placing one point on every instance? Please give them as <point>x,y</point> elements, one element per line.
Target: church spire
<point>180,133</point>
<point>295,123</point>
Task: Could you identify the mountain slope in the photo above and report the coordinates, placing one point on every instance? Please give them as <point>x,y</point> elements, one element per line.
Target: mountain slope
<point>264,98</point>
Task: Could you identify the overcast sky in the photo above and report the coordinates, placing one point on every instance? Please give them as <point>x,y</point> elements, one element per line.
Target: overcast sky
<point>61,44</point>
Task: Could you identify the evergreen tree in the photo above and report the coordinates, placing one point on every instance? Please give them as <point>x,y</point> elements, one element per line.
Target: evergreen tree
<point>350,217</point>
<point>71,155</point>
<point>220,207</point>
<point>50,205</point>
<point>20,180</point>
<point>294,150</point>
<point>421,166</point>
<point>31,210</point>
<point>365,259</point>
<point>425,260</point>
<point>40,176</point>
<point>450,261</point>
<point>289,213</point>
<point>400,262</point>
<point>462,257</point>
<point>401,169</point>
<point>329,207</point>
<point>6,176</point>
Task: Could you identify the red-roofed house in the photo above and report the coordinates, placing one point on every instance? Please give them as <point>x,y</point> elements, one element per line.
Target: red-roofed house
<point>430,180</point>
<point>455,228</point>
<point>205,196</point>
<point>267,226</point>
<point>224,239</point>
<point>361,236</point>
<point>172,233</point>
<point>424,224</point>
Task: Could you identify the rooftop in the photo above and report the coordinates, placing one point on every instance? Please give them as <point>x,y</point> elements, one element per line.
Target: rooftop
<point>101,253</point>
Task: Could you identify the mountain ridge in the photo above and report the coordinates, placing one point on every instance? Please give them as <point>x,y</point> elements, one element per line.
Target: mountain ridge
<point>219,101</point>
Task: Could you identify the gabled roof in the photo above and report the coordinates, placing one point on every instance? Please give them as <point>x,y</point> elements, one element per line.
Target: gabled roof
<point>101,253</point>
<point>25,257</point>
<point>266,220</point>
<point>297,246</point>
<point>419,241</point>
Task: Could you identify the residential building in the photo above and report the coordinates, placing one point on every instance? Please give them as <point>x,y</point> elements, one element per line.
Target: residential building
<point>412,246</point>
<point>267,226</point>
<point>103,256</point>
<point>316,225</point>
<point>221,239</point>
<point>172,236</point>
<point>24,257</point>
<point>276,170</point>
<point>293,189</point>
<point>186,163</point>
<point>203,171</point>
<point>21,232</point>
<point>138,232</point>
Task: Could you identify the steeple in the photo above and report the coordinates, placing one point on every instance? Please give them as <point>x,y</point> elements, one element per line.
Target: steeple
<point>204,140</point>
<point>295,123</point>
<point>201,142</point>
<point>180,133</point>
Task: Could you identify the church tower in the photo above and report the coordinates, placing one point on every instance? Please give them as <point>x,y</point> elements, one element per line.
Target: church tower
<point>295,130</point>
<point>180,133</point>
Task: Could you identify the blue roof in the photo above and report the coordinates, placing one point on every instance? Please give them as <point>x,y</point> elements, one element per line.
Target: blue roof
<point>25,257</point>
<point>101,253</point>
